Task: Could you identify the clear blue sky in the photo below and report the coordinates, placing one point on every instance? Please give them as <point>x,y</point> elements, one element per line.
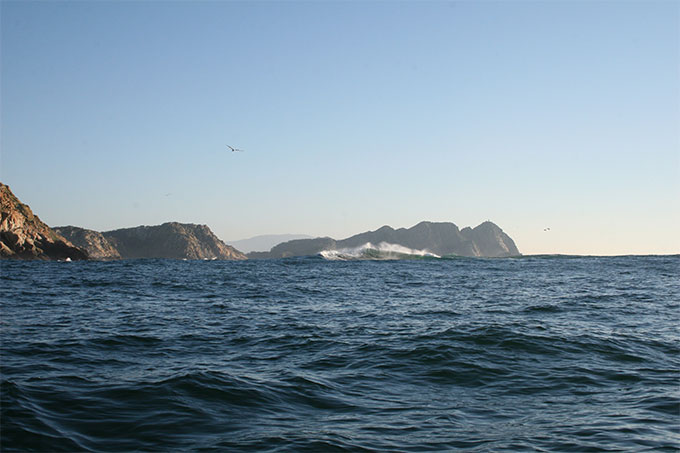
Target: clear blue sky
<point>352,115</point>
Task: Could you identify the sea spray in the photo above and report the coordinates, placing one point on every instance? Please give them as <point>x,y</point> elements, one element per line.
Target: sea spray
<point>381,251</point>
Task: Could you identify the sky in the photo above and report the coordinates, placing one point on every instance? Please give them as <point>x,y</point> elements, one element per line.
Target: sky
<point>351,115</point>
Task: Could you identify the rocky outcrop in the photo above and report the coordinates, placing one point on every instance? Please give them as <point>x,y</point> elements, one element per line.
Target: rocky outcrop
<point>23,235</point>
<point>94,242</point>
<point>439,238</point>
<point>170,240</point>
<point>489,240</point>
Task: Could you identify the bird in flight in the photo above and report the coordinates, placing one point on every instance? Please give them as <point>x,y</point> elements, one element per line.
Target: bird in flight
<point>234,149</point>
<point>546,229</point>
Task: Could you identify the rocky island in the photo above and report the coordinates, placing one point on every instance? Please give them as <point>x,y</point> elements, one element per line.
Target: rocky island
<point>439,238</point>
<point>170,240</point>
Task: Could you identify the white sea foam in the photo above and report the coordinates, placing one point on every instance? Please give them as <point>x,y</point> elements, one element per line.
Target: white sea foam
<point>381,251</point>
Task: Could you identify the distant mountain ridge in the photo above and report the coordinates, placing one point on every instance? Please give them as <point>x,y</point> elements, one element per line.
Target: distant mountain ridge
<point>170,240</point>
<point>439,238</point>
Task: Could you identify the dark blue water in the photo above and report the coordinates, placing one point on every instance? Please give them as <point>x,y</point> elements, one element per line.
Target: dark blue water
<point>530,354</point>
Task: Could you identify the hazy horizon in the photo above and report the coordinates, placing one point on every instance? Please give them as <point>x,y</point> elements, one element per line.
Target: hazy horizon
<point>351,115</point>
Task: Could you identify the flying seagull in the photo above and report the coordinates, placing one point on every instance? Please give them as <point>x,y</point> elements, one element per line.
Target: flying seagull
<point>234,149</point>
<point>546,229</point>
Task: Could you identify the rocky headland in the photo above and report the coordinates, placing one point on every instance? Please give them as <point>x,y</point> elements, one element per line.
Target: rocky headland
<point>170,240</point>
<point>94,242</point>
<point>24,236</point>
<point>439,238</point>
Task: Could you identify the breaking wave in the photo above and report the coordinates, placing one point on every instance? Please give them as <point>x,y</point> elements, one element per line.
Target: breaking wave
<point>381,251</point>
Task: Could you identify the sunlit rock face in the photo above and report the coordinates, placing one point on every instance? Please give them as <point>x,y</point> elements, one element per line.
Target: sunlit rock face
<point>24,236</point>
<point>171,240</point>
<point>96,245</point>
<point>490,241</point>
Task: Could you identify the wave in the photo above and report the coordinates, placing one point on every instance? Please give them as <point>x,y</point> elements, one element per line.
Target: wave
<point>381,251</point>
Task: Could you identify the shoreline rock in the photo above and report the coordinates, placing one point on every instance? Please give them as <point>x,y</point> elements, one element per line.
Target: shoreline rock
<point>24,236</point>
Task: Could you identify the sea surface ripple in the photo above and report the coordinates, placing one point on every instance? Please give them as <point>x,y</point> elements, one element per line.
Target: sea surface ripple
<point>541,353</point>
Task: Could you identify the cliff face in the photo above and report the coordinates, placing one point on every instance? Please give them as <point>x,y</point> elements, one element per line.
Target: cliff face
<point>170,240</point>
<point>23,235</point>
<point>489,240</point>
<point>440,238</point>
<point>96,245</point>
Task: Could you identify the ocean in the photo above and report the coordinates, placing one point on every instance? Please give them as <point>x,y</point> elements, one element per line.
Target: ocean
<point>543,353</point>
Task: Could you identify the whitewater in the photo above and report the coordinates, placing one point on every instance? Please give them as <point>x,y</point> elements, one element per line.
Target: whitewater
<point>381,251</point>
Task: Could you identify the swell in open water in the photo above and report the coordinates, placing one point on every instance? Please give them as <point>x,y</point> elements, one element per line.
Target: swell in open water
<point>536,353</point>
